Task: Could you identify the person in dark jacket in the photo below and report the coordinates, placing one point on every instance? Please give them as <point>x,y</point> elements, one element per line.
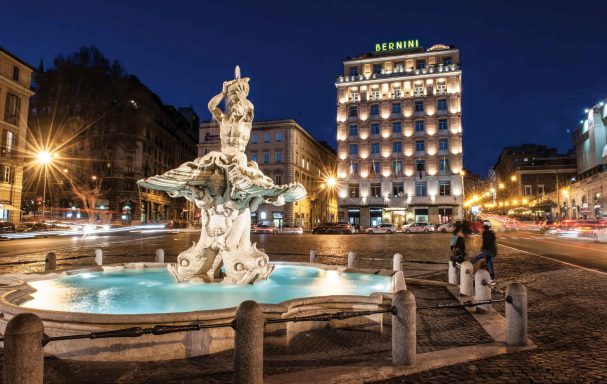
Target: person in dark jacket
<point>458,244</point>
<point>488,251</point>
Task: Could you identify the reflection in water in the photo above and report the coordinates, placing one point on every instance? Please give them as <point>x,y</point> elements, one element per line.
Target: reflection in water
<point>131,291</point>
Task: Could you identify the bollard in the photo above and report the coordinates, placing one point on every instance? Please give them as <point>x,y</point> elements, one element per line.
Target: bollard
<point>516,315</point>
<point>351,259</point>
<point>466,284</point>
<point>248,343</point>
<point>398,282</point>
<point>396,261</point>
<point>160,255</point>
<point>312,256</point>
<point>404,338</point>
<point>23,350</point>
<point>50,263</point>
<point>482,290</point>
<point>453,275</point>
<point>98,256</point>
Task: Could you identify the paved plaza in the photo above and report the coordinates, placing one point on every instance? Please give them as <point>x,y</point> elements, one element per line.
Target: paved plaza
<point>567,316</point>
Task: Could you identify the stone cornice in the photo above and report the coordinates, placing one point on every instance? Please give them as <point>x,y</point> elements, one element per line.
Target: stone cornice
<point>16,86</point>
<point>398,78</point>
<point>398,57</point>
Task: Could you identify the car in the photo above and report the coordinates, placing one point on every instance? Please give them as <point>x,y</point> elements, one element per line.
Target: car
<point>341,228</point>
<point>287,229</point>
<point>264,228</point>
<point>7,227</point>
<point>446,227</point>
<point>418,227</point>
<point>381,228</point>
<point>548,225</point>
<point>32,227</point>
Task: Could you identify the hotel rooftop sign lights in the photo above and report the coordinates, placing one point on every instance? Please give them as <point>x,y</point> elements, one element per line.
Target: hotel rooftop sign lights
<point>396,45</point>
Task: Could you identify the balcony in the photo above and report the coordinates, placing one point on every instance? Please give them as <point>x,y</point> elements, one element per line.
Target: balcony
<point>432,69</point>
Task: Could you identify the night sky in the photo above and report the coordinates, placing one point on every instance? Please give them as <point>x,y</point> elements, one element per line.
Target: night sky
<point>529,67</point>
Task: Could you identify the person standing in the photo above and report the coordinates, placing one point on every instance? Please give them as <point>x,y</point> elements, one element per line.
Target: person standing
<point>458,244</point>
<point>488,251</point>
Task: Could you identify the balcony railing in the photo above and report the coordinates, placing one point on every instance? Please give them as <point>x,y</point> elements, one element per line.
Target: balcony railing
<point>407,72</point>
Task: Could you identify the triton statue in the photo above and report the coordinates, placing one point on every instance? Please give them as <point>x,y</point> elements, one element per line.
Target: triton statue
<point>227,188</point>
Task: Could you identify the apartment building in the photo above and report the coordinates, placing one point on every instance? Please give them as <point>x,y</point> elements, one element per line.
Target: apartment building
<point>399,135</point>
<point>15,92</point>
<point>287,153</point>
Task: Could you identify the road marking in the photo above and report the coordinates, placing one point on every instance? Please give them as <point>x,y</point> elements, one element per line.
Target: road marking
<point>557,260</point>
<point>563,244</point>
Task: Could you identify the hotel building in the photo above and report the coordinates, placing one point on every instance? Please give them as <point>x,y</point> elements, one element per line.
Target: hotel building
<point>15,92</point>
<point>286,153</point>
<point>399,135</point>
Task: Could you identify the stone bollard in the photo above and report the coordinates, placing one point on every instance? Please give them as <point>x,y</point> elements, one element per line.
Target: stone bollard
<point>351,259</point>
<point>50,263</point>
<point>248,343</point>
<point>23,350</point>
<point>398,282</point>
<point>396,261</point>
<point>404,337</point>
<point>482,290</point>
<point>312,256</point>
<point>466,284</point>
<point>98,256</point>
<point>160,255</point>
<point>453,275</point>
<point>516,315</point>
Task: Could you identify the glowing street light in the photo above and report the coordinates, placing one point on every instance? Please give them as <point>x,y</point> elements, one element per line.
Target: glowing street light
<point>45,158</point>
<point>513,178</point>
<point>331,182</point>
<point>501,186</point>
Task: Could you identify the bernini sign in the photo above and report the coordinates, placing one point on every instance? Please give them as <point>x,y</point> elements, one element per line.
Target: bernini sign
<point>396,45</point>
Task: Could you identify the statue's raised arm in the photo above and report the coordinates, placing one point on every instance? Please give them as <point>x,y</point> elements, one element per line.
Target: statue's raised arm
<point>214,105</point>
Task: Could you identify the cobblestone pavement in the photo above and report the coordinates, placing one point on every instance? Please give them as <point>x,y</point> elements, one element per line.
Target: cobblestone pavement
<point>567,316</point>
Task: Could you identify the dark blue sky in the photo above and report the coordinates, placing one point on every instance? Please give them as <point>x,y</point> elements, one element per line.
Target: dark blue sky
<point>529,67</point>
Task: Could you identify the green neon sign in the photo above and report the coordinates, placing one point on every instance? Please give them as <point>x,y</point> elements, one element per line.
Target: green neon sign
<point>396,45</point>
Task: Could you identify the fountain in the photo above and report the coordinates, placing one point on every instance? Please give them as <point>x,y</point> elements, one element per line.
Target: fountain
<point>227,189</point>
<point>209,279</point>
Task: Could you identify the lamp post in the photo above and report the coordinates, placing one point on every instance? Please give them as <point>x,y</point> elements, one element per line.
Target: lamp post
<point>45,158</point>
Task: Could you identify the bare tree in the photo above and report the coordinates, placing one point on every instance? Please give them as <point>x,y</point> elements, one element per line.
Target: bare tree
<point>88,195</point>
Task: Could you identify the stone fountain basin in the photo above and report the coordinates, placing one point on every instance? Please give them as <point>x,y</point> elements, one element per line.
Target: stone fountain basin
<point>18,289</point>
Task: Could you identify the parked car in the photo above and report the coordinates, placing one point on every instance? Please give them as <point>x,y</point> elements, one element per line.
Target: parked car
<point>287,229</point>
<point>264,228</point>
<point>446,227</point>
<point>418,227</point>
<point>381,228</point>
<point>32,227</point>
<point>342,228</point>
<point>7,227</point>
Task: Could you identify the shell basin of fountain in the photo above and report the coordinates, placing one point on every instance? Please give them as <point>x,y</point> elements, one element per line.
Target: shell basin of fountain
<point>154,290</point>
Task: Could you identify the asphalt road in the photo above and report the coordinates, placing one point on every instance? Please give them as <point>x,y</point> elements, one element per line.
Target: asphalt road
<point>581,253</point>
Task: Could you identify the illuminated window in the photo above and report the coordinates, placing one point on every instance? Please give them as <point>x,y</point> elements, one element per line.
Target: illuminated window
<point>419,105</point>
<point>7,174</point>
<point>441,88</point>
<point>540,189</point>
<point>396,108</point>
<point>398,189</point>
<point>375,190</point>
<point>442,124</point>
<point>419,90</point>
<point>353,190</point>
<point>10,138</point>
<point>375,148</point>
<point>444,188</point>
<point>399,67</point>
<point>396,127</point>
<point>397,167</point>
<point>443,164</point>
<point>12,109</point>
<point>419,125</point>
<point>419,145</point>
<point>353,130</point>
<point>375,129</point>
<point>397,94</point>
<point>421,188</point>
<point>443,144</point>
<point>441,105</point>
<point>397,147</point>
<point>375,95</point>
<point>374,110</point>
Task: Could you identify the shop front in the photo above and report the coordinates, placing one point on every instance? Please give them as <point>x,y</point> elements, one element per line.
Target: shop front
<point>396,216</point>
<point>421,215</point>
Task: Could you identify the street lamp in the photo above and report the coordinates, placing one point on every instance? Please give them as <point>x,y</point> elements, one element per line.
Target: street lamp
<point>45,158</point>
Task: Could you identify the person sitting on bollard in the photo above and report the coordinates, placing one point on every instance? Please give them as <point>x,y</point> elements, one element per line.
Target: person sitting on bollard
<point>488,251</point>
<point>458,244</point>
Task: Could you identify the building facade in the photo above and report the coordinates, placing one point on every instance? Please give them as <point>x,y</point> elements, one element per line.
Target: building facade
<point>533,171</point>
<point>15,92</point>
<point>584,197</point>
<point>399,135</point>
<point>286,153</point>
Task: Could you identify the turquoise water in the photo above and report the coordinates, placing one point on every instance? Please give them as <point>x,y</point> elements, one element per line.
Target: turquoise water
<point>130,291</point>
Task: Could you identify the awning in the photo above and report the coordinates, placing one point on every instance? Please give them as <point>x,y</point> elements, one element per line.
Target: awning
<point>9,207</point>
